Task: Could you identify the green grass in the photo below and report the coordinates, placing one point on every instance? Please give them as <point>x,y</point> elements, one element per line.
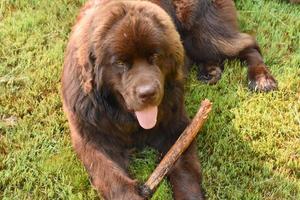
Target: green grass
<point>249,147</point>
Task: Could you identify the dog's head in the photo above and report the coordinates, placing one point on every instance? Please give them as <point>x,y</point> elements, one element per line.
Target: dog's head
<point>133,51</point>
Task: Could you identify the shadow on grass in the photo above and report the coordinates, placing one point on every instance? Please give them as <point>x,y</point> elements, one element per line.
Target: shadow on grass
<point>243,146</point>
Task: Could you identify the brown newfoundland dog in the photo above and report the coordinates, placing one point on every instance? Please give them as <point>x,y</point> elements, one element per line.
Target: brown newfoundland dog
<point>122,88</point>
<point>123,76</point>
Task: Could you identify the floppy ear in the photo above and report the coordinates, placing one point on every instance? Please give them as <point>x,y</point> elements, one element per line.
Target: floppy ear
<point>178,61</point>
<point>98,73</point>
<point>175,50</point>
<point>87,74</point>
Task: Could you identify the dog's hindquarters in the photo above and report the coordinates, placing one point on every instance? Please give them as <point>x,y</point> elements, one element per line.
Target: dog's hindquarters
<point>211,35</point>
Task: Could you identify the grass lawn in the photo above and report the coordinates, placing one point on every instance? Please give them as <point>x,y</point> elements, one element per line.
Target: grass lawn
<point>249,147</point>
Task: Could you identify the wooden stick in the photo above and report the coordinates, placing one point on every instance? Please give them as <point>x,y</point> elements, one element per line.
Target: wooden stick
<point>177,149</point>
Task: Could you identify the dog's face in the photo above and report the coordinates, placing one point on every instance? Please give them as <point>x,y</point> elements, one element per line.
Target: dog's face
<point>135,49</point>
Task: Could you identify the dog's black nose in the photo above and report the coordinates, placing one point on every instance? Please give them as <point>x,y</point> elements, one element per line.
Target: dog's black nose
<point>146,92</point>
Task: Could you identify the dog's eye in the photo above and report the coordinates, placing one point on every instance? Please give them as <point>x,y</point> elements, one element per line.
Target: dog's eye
<point>120,63</point>
<point>121,66</point>
<point>153,58</point>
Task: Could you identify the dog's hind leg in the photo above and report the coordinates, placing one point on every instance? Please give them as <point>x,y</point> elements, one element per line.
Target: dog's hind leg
<point>259,76</point>
<point>210,72</point>
<point>244,47</point>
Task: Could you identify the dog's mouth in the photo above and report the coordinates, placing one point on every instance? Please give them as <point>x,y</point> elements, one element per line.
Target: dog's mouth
<point>143,100</point>
<point>147,117</point>
<point>146,113</point>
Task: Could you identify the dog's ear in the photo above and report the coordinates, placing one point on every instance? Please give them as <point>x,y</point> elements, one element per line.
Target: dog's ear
<point>87,74</point>
<point>175,53</point>
<point>178,61</point>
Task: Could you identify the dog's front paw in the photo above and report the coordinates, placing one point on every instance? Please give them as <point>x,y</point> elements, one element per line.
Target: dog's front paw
<point>145,191</point>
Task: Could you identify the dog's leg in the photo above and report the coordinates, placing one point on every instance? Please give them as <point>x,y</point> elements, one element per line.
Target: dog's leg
<point>210,73</point>
<point>218,38</point>
<point>245,47</point>
<point>107,176</point>
<point>185,176</point>
<point>259,76</point>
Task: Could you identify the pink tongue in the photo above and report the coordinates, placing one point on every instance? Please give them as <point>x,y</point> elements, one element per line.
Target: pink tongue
<point>147,117</point>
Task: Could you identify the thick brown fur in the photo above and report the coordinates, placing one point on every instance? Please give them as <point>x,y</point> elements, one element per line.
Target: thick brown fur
<point>295,1</point>
<point>123,56</point>
<point>210,34</point>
